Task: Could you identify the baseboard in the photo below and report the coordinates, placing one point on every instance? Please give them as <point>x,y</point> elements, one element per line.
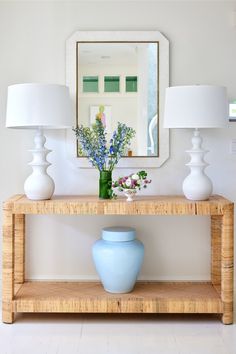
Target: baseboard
<point>95,278</point>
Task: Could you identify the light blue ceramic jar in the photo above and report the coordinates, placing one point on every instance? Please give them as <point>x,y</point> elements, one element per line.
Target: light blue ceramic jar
<point>118,257</point>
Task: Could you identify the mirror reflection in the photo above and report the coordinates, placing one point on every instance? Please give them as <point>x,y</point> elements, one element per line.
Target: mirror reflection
<point>118,82</point>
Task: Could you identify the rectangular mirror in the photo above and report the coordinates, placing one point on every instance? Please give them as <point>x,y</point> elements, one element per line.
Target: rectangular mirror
<point>121,77</point>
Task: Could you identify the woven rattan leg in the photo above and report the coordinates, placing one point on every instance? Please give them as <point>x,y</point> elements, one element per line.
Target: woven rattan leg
<point>227,265</point>
<point>19,255</point>
<point>8,266</point>
<point>216,222</point>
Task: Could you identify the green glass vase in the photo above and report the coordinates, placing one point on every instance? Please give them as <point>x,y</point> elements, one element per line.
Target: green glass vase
<point>105,183</point>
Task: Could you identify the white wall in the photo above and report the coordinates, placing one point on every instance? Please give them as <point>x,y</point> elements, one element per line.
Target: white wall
<point>202,50</point>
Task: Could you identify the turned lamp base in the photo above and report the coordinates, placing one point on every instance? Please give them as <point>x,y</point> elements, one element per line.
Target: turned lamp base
<point>39,185</point>
<point>197,185</point>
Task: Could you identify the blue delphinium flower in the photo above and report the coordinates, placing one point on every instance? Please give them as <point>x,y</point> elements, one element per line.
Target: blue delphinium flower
<point>94,144</point>
<point>112,150</point>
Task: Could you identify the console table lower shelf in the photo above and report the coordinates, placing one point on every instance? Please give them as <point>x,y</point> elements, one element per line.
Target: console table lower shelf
<point>89,297</point>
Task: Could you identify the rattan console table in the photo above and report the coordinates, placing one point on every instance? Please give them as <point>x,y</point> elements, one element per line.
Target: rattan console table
<point>89,297</point>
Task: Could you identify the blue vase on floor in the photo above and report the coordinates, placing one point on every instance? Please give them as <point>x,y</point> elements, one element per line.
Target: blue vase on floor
<point>118,257</point>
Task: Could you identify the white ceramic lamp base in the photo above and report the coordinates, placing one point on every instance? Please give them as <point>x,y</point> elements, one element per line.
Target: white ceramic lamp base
<point>39,185</point>
<point>197,185</point>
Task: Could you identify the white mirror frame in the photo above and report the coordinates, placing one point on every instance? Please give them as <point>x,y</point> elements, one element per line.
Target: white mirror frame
<point>163,74</point>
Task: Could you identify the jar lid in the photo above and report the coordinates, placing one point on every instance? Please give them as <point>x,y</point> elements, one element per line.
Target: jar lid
<point>118,233</point>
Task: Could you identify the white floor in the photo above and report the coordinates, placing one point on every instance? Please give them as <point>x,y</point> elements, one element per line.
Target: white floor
<point>117,334</point>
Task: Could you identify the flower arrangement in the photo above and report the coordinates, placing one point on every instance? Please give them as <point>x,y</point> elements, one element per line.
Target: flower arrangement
<point>102,155</point>
<point>131,184</point>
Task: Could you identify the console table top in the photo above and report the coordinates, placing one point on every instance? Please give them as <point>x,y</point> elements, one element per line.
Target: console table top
<point>142,205</point>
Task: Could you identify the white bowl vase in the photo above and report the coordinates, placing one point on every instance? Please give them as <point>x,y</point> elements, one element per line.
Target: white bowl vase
<point>129,193</point>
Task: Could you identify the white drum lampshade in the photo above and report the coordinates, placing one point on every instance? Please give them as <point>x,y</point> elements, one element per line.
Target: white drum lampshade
<point>196,107</point>
<point>39,106</point>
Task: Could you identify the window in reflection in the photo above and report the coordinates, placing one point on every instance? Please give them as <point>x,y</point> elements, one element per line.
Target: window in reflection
<point>90,84</point>
<point>111,84</point>
<point>131,84</point>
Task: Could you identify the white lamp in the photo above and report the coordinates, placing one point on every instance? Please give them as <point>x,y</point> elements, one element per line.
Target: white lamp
<point>196,107</point>
<point>39,106</point>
